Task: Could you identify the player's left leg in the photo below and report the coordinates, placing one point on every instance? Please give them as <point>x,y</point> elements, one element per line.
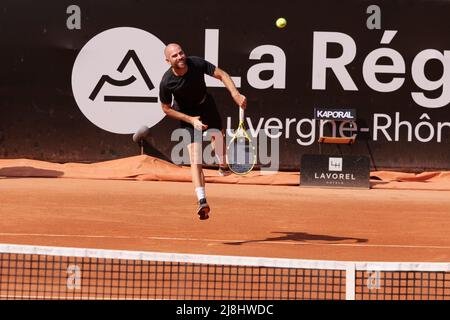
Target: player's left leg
<point>198,179</point>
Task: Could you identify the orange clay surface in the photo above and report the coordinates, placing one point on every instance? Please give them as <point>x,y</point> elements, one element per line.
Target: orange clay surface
<point>143,204</point>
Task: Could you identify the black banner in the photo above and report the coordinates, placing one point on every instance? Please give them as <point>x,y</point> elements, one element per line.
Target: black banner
<point>78,79</point>
<point>334,171</point>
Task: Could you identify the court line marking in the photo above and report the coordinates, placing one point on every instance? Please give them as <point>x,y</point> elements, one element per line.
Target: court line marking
<point>229,241</point>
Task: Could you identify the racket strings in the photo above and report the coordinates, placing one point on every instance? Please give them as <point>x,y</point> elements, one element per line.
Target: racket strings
<point>241,155</point>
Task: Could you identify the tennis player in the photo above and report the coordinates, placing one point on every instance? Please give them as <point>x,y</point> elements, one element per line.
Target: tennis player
<point>196,110</point>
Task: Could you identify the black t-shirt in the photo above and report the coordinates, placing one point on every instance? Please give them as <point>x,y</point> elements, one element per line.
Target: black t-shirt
<point>190,89</point>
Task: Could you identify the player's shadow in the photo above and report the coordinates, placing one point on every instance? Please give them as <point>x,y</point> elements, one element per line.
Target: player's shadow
<point>302,237</point>
<point>28,172</point>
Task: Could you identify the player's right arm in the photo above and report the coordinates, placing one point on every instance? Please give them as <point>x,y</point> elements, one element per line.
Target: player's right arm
<point>174,114</point>
<point>240,99</point>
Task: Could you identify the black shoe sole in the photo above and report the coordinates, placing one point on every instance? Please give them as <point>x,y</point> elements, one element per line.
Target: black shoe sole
<point>203,213</point>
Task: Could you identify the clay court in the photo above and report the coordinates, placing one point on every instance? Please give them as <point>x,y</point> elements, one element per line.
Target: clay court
<point>145,204</point>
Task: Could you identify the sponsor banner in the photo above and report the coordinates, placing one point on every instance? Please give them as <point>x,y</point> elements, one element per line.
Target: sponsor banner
<point>334,171</point>
<point>78,80</point>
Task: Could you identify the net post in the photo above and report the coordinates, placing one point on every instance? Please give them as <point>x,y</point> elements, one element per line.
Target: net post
<point>350,281</point>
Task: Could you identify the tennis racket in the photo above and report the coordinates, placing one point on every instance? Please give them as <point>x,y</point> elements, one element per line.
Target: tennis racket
<point>241,154</point>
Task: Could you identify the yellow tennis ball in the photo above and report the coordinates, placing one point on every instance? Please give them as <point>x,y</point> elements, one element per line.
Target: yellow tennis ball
<point>281,22</point>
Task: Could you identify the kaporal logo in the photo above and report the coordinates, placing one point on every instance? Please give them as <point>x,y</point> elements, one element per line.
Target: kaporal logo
<point>335,114</point>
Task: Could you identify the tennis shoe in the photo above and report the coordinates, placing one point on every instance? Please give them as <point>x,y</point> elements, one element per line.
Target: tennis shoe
<point>224,171</point>
<point>203,209</point>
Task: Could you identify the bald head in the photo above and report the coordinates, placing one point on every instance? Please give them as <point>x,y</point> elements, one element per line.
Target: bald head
<point>175,57</point>
<point>171,48</point>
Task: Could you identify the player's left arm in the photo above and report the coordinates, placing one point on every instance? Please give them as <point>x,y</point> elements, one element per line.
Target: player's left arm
<point>240,99</point>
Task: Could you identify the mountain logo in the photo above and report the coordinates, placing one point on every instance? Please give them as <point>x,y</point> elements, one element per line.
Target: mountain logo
<point>131,55</point>
<point>115,79</point>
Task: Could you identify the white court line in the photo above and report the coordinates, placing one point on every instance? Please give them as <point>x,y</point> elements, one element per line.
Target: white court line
<point>295,243</point>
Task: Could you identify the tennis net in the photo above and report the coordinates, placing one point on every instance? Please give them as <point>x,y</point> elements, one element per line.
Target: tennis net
<point>37,272</point>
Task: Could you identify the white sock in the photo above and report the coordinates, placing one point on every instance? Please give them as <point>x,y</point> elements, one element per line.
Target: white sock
<point>200,191</point>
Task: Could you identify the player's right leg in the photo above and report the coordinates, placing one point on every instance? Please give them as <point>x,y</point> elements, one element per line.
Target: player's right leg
<point>211,116</point>
<point>218,144</point>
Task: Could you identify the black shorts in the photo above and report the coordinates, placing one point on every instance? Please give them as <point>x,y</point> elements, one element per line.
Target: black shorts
<point>208,113</point>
